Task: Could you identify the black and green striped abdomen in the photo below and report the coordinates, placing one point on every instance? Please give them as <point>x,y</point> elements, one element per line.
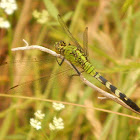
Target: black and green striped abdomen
<point>90,70</point>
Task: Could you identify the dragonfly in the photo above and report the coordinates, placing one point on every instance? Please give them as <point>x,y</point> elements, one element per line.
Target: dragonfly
<point>78,56</point>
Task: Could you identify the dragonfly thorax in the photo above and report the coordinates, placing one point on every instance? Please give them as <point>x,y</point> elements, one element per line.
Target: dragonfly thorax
<point>60,47</point>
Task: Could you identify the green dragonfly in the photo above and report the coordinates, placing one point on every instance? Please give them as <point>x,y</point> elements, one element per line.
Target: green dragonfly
<point>78,56</point>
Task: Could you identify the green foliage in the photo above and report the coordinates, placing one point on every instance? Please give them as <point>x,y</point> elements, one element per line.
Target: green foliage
<point>114,48</point>
<point>127,4</point>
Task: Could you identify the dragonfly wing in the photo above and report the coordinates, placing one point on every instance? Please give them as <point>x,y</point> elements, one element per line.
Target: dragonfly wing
<point>34,74</point>
<point>40,84</point>
<point>85,41</point>
<point>65,28</point>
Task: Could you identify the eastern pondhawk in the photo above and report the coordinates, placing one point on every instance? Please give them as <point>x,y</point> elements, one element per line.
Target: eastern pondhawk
<point>78,56</point>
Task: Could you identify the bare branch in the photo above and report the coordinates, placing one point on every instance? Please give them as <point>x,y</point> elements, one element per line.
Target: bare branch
<point>102,98</point>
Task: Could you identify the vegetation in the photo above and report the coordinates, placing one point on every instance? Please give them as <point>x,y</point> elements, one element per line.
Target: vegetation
<point>114,49</point>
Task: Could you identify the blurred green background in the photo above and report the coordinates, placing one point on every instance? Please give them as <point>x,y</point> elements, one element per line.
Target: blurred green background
<point>114,49</point>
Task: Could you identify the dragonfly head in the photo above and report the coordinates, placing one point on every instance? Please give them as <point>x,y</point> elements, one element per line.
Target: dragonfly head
<point>60,47</point>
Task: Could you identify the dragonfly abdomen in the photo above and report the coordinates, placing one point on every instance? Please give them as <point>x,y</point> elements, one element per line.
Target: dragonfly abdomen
<point>89,68</point>
<point>117,92</point>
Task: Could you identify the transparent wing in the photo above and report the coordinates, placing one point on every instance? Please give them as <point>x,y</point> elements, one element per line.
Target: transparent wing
<point>33,75</point>
<point>85,41</point>
<point>65,28</point>
<point>41,84</point>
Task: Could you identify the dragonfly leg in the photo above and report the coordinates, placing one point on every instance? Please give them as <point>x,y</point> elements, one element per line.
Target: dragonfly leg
<point>60,63</point>
<point>78,72</point>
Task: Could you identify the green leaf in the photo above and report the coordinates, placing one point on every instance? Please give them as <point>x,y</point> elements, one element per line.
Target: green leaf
<point>126,5</point>
<point>52,10</point>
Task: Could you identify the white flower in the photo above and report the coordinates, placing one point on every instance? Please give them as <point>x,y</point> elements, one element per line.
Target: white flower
<point>57,124</point>
<point>41,17</point>
<point>39,114</point>
<point>9,6</point>
<point>4,23</point>
<point>35,123</point>
<point>58,106</point>
<point>51,126</point>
